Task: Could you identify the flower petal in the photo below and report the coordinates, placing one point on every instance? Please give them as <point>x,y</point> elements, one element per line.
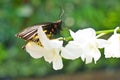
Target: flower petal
<point>101,43</point>
<point>113,47</point>
<point>71,51</point>
<point>82,35</point>
<point>50,54</point>
<point>34,50</point>
<point>90,51</point>
<point>91,32</point>
<point>57,62</point>
<point>43,38</point>
<point>55,43</point>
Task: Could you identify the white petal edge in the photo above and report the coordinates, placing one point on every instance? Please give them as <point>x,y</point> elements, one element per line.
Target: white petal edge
<point>34,50</point>
<point>50,54</point>
<point>101,43</point>
<point>90,52</point>
<point>71,51</point>
<point>83,34</point>
<point>55,43</point>
<point>43,38</point>
<point>113,47</point>
<point>57,62</point>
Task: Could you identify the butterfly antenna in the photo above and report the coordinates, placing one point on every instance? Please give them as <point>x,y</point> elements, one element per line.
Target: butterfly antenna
<point>61,14</point>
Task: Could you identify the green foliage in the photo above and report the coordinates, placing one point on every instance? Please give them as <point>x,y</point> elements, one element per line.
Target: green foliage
<point>16,15</point>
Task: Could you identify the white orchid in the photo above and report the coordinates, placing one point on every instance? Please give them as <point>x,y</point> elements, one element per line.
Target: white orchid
<point>113,47</point>
<point>50,49</point>
<point>86,45</point>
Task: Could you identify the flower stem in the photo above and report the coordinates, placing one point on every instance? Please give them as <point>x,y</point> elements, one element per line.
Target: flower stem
<point>105,31</point>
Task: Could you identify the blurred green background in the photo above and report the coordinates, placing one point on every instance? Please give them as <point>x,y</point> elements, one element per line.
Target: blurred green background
<point>15,15</point>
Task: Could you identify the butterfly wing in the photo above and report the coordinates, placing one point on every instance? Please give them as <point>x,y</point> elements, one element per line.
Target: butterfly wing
<point>28,33</point>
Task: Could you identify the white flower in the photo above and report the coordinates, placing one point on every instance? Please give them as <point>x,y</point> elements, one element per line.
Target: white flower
<point>113,47</point>
<point>86,41</point>
<point>50,49</point>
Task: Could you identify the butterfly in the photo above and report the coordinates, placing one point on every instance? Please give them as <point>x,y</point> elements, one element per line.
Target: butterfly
<point>30,33</point>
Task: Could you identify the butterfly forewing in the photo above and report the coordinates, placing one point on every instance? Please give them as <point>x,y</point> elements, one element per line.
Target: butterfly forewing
<point>28,33</point>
